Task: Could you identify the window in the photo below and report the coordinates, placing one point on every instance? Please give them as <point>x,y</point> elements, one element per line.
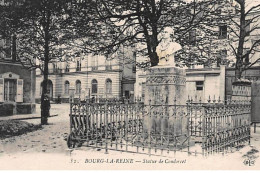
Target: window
<point>10,88</point>
<point>67,87</point>
<point>247,61</point>
<point>94,62</point>
<point>127,94</point>
<point>247,27</point>
<point>222,32</point>
<point>199,85</point>
<point>54,68</point>
<point>108,64</point>
<point>78,65</point>
<point>6,48</point>
<point>78,87</point>
<point>67,69</point>
<point>108,86</point>
<point>192,37</point>
<point>224,54</point>
<point>94,87</point>
<point>222,57</point>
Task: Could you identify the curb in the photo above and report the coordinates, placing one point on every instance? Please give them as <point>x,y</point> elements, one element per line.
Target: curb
<point>29,118</point>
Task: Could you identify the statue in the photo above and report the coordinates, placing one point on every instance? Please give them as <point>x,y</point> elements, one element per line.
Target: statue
<point>167,47</point>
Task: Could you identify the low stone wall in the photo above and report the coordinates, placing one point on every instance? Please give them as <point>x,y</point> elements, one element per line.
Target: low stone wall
<point>7,109</point>
<point>25,108</point>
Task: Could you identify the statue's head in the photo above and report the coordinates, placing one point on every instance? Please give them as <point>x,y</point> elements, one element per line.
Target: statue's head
<point>167,33</point>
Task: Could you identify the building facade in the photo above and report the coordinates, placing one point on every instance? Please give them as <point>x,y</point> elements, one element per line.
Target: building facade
<point>17,84</point>
<point>91,76</point>
<point>203,84</point>
<point>207,83</point>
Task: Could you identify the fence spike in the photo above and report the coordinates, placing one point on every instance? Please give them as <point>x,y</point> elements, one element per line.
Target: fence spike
<point>214,99</point>
<point>219,99</point>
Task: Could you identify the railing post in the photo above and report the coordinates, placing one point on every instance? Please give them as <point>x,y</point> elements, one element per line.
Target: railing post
<point>149,129</point>
<point>126,123</point>
<point>106,124</point>
<point>70,117</point>
<point>188,127</point>
<point>87,113</point>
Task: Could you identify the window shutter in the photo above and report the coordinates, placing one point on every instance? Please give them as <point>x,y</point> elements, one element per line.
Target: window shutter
<point>1,90</point>
<point>19,96</point>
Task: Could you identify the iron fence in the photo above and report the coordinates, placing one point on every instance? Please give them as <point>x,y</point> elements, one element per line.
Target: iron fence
<point>160,129</point>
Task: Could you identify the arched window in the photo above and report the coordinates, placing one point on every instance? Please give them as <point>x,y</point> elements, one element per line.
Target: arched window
<point>67,87</point>
<point>94,87</point>
<point>108,86</point>
<point>78,87</point>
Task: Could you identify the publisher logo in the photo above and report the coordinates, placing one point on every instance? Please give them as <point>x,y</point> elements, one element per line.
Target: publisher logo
<point>249,162</point>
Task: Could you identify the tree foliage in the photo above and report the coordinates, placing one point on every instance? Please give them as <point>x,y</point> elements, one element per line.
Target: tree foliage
<point>137,22</point>
<point>38,28</point>
<point>245,42</point>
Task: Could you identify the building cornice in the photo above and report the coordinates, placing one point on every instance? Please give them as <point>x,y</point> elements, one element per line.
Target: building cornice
<point>83,72</point>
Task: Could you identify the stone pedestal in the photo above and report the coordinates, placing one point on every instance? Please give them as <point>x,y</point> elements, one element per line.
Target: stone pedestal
<point>255,102</point>
<point>165,100</point>
<point>241,90</point>
<point>164,84</point>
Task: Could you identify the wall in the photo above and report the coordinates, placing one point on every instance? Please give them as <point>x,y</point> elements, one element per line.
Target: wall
<point>213,87</point>
<point>26,75</point>
<point>121,74</point>
<point>27,106</point>
<point>140,83</point>
<point>86,79</point>
<point>213,83</point>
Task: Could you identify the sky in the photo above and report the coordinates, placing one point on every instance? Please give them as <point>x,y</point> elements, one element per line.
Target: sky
<point>251,3</point>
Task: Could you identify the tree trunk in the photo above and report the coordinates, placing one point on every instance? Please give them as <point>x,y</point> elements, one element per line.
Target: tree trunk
<point>238,73</point>
<point>242,35</point>
<point>152,43</point>
<point>154,59</point>
<point>45,102</point>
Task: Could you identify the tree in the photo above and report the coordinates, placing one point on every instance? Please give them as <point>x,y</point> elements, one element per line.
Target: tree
<point>226,33</point>
<point>9,21</point>
<point>40,28</point>
<point>205,44</point>
<point>138,22</point>
<point>245,22</point>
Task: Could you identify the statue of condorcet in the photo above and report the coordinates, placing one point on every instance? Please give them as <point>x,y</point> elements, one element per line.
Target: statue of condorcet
<point>167,47</point>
